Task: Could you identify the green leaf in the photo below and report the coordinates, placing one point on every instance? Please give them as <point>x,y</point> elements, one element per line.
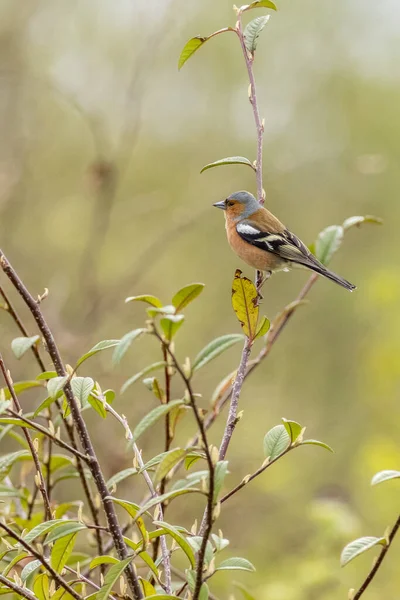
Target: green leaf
<point>170,325</point>
<point>112,577</point>
<point>42,529</point>
<point>153,385</point>
<point>357,221</point>
<point>180,540</point>
<point>224,385</point>
<point>141,374</point>
<point>359,547</point>
<point>30,568</point>
<point>41,587</point>
<point>45,404</point>
<point>190,48</point>
<point>14,421</point>
<point>252,32</point>
<point>20,386</point>
<point>14,561</point>
<point>162,597</point>
<point>167,496</point>
<point>131,507</point>
<point>260,4</point>
<point>168,462</point>
<point>46,375</point>
<point>7,461</point>
<point>97,405</point>
<point>316,443</point>
<point>263,327</point>
<point>20,345</point>
<point>276,441</point>
<point>152,300</point>
<point>153,416</point>
<point>125,343</point>
<point>103,560</point>
<point>81,387</point>
<point>244,302</point>
<point>55,386</point>
<point>120,476</point>
<point>384,476</point>
<point>235,564</point>
<point>186,295</point>
<point>68,528</point>
<point>104,345</point>
<point>230,160</point>
<point>195,541</point>
<point>293,428</point>
<point>60,461</point>
<point>215,348</point>
<point>61,551</point>
<point>246,594</point>
<point>328,242</point>
<point>220,472</point>
<point>147,587</point>
<point>169,309</point>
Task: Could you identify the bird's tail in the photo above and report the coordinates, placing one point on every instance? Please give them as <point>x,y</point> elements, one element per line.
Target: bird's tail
<point>321,270</point>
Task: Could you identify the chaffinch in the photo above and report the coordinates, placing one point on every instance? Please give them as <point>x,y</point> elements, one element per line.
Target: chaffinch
<point>264,243</point>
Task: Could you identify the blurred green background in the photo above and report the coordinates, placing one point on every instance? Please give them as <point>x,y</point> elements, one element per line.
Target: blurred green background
<point>101,145</point>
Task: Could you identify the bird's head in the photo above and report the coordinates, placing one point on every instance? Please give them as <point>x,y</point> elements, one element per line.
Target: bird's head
<point>239,206</point>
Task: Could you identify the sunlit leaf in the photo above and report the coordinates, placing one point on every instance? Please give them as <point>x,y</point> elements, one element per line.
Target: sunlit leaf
<point>384,476</point>
<point>103,560</point>
<point>359,547</point>
<point>170,325</point>
<point>29,569</point>
<point>214,349</point>
<point>14,421</point>
<point>152,300</point>
<point>276,441</point>
<point>46,375</point>
<point>147,587</point>
<point>61,551</point>
<point>55,386</point>
<point>98,405</point>
<point>293,428</point>
<point>14,561</point>
<point>260,4</point>
<point>41,587</point>
<point>131,507</point>
<point>180,540</point>
<point>104,345</point>
<point>230,160</point>
<point>235,564</point>
<point>153,416</point>
<point>190,48</point>
<point>252,32</point>
<point>316,443</point>
<point>112,577</point>
<point>328,242</point>
<point>20,345</point>
<point>141,374</point>
<point>42,529</point>
<point>68,528</point>
<point>168,462</point>
<point>124,344</point>
<point>244,302</point>
<point>186,295</point>
<point>263,327</point>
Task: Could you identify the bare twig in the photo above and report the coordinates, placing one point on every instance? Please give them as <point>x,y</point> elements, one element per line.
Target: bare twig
<point>378,561</point>
<point>211,469</point>
<point>39,479</point>
<point>165,552</point>
<point>79,423</point>
<point>56,576</point>
<point>84,579</point>
<point>21,591</point>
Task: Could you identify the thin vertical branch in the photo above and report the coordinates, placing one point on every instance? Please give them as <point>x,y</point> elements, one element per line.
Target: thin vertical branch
<point>39,479</point>
<point>70,430</point>
<point>378,561</point>
<point>79,423</point>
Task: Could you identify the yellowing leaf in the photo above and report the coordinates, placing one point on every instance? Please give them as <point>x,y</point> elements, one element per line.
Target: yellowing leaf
<point>244,302</point>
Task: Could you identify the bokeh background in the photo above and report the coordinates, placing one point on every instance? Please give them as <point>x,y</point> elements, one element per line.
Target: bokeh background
<point>101,145</point>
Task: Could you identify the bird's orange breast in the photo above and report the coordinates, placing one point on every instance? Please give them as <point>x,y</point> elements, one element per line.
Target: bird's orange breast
<point>253,256</point>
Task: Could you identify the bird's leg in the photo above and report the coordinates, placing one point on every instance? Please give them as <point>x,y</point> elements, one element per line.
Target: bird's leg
<point>260,280</point>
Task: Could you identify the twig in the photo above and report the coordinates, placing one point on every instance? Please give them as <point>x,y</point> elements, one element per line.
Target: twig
<point>39,479</point>
<point>378,561</point>
<point>79,423</point>
<point>84,579</point>
<point>56,576</point>
<point>70,431</point>
<point>165,552</point>
<point>249,478</point>
<point>21,591</point>
<point>210,464</point>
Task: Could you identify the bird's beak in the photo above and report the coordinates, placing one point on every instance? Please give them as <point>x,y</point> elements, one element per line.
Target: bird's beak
<point>220,204</point>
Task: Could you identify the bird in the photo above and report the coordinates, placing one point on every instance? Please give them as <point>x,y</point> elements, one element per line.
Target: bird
<point>264,243</point>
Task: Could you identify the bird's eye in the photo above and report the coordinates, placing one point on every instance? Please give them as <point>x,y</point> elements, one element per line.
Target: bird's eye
<point>229,203</point>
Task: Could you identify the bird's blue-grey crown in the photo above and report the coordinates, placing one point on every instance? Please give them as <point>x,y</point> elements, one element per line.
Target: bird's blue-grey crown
<point>250,204</point>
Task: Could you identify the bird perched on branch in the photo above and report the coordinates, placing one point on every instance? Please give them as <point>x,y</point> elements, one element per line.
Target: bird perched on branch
<point>264,243</point>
